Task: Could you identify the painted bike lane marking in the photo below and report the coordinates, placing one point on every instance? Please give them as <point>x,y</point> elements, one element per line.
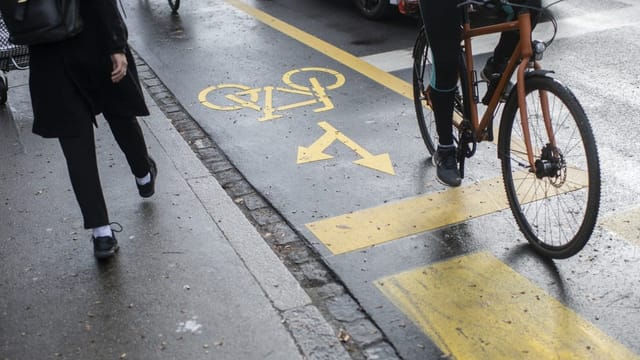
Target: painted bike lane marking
<point>261,100</point>
<point>403,218</point>
<point>477,307</point>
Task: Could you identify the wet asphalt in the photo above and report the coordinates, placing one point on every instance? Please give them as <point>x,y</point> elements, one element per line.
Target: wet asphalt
<point>217,44</point>
<point>192,280</point>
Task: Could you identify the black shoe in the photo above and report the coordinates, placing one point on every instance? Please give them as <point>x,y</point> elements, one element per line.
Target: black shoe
<point>491,74</point>
<point>492,69</point>
<point>148,189</point>
<point>104,246</point>
<point>447,166</point>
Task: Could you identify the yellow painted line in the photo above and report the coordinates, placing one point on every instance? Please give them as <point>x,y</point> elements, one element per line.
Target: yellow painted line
<point>625,224</point>
<point>378,75</point>
<point>476,307</point>
<point>377,225</point>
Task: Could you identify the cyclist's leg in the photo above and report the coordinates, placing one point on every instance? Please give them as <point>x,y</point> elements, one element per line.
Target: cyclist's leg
<point>443,31</point>
<point>496,64</point>
<point>509,40</point>
<point>442,25</point>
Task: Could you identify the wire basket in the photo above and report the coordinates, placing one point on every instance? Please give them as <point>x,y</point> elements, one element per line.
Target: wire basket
<point>12,56</point>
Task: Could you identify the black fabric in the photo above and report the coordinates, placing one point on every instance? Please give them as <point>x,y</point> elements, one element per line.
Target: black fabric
<point>80,154</point>
<point>70,80</point>
<point>128,135</point>
<point>442,24</point>
<point>82,165</point>
<point>41,21</point>
<point>442,103</point>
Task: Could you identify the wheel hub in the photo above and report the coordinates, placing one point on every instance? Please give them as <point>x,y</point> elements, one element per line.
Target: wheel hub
<point>552,165</point>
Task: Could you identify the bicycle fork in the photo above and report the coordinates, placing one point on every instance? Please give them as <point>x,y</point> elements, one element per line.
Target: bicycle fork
<point>540,167</point>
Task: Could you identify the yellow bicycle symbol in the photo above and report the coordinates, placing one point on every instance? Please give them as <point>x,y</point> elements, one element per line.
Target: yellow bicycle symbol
<point>242,96</point>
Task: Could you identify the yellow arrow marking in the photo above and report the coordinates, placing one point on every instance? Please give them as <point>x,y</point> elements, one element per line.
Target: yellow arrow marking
<point>315,152</point>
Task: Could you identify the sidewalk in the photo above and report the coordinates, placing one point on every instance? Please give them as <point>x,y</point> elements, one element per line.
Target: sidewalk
<point>193,278</point>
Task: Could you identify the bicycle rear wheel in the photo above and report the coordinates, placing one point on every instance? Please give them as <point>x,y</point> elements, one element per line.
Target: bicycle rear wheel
<point>422,68</point>
<point>174,5</point>
<point>556,204</point>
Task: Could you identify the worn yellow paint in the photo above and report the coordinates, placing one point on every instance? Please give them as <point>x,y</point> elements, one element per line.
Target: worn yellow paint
<point>476,307</point>
<point>372,226</point>
<point>625,223</point>
<point>315,151</point>
<point>248,97</point>
<point>244,90</point>
<point>339,78</point>
<point>390,81</point>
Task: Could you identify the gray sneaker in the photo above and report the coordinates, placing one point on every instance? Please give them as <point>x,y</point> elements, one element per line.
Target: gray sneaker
<point>447,166</point>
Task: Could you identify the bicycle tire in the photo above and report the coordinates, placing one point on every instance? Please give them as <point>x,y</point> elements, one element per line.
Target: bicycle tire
<point>424,114</point>
<point>174,5</point>
<point>374,9</point>
<point>557,210</point>
<point>421,77</point>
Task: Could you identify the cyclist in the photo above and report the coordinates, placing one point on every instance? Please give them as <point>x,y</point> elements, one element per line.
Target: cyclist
<point>442,24</point>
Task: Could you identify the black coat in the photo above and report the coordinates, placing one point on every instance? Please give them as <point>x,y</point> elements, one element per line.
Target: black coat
<point>70,80</point>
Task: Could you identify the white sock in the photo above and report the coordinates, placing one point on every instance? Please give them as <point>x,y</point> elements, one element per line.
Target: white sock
<point>144,180</point>
<point>100,231</point>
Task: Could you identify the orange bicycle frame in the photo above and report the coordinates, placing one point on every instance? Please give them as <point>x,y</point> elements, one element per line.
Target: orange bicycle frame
<point>524,52</point>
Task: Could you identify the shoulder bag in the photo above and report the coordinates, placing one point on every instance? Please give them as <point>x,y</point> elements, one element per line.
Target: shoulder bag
<point>32,22</point>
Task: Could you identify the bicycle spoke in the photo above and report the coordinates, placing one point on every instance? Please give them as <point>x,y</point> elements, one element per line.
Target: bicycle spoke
<point>556,205</point>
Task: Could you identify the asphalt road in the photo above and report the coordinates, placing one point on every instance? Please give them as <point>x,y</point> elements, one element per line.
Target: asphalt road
<point>277,83</point>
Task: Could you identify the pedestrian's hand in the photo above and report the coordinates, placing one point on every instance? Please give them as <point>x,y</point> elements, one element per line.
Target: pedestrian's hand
<point>119,71</point>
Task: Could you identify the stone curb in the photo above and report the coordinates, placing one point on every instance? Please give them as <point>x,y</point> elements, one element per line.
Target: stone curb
<point>330,300</point>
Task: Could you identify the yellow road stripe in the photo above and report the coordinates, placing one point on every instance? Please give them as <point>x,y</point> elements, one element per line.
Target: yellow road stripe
<point>392,82</point>
<point>373,226</point>
<point>476,307</point>
<point>625,224</point>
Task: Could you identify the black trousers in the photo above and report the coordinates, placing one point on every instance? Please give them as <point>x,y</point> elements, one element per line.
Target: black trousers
<point>80,153</point>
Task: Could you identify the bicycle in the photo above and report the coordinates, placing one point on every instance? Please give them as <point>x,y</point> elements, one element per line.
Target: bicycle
<point>174,5</point>
<point>549,159</point>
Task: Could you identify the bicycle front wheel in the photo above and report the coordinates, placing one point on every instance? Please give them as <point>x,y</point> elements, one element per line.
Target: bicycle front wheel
<point>174,5</point>
<point>556,204</point>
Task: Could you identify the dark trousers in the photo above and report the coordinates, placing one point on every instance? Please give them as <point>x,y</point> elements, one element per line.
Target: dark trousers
<point>80,153</point>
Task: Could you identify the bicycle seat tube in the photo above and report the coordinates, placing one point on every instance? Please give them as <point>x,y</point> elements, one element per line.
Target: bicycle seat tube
<point>467,34</point>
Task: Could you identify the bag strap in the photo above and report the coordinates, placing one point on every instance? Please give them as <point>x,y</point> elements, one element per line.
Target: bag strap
<point>21,10</point>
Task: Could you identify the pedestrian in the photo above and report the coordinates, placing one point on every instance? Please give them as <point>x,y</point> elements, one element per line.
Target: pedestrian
<point>72,81</point>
